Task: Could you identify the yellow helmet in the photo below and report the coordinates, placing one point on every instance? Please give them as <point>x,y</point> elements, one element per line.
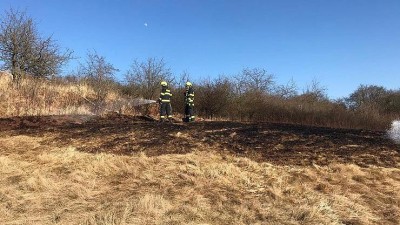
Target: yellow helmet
<point>164,83</point>
<point>188,84</point>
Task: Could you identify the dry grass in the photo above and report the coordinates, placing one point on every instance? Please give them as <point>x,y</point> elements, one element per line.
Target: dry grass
<point>41,97</point>
<point>44,97</point>
<point>44,184</point>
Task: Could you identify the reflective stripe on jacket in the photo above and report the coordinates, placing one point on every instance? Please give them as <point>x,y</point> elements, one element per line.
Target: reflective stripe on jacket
<point>165,95</point>
<point>189,96</point>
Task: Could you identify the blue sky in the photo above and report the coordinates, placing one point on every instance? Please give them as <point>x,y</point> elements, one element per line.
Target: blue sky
<point>341,43</point>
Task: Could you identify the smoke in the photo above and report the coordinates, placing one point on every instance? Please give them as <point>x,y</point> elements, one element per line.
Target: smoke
<point>394,131</point>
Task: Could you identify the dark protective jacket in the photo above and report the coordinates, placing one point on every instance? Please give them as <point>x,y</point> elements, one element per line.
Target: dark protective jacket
<point>189,96</point>
<point>165,96</point>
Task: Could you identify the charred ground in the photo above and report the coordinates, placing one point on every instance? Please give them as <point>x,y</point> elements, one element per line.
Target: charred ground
<point>281,144</point>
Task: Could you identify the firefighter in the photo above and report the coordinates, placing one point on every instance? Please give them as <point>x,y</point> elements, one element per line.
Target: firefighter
<point>165,102</point>
<point>189,103</point>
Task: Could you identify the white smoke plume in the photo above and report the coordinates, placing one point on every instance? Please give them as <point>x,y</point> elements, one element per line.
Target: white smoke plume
<point>394,131</point>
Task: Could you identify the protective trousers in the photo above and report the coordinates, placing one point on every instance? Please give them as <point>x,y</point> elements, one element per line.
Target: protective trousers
<point>165,110</point>
<point>189,112</point>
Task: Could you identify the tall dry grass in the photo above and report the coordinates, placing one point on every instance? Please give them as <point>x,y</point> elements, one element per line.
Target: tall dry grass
<point>36,97</point>
<point>44,184</point>
<point>42,97</point>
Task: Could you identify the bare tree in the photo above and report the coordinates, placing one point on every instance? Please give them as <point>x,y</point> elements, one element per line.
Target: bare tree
<point>315,92</point>
<point>144,77</point>
<point>255,80</point>
<point>391,102</point>
<point>287,91</point>
<point>366,95</point>
<point>23,51</point>
<point>48,58</point>
<point>100,75</point>
<point>184,77</point>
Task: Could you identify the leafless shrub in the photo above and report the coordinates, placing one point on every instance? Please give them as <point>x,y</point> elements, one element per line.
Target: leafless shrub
<point>99,74</point>
<point>366,96</point>
<point>255,79</point>
<point>143,79</point>
<point>214,98</point>
<point>287,91</point>
<point>221,98</point>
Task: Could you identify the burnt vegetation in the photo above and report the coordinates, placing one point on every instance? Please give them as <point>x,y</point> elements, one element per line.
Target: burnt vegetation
<point>277,143</point>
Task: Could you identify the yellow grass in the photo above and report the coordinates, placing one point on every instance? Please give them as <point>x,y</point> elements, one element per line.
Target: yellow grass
<point>41,97</point>
<point>44,184</point>
<point>44,97</point>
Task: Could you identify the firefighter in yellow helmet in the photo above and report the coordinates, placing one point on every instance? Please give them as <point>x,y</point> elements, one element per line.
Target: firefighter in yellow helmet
<point>189,103</point>
<point>165,102</point>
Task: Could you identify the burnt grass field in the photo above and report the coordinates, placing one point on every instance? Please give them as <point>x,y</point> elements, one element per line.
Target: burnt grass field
<point>119,169</point>
<point>280,144</point>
